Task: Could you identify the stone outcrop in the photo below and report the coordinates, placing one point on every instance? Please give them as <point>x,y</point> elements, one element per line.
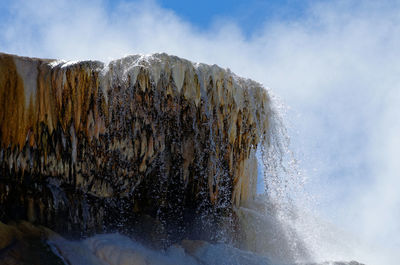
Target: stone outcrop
<point>152,141</point>
<point>25,244</point>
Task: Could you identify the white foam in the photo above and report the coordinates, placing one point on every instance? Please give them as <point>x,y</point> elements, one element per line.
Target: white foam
<point>116,249</point>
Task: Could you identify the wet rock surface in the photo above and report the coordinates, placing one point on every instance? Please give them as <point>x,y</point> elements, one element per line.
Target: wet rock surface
<point>87,147</point>
<point>24,244</point>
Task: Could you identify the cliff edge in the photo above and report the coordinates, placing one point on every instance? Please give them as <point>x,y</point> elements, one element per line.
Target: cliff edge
<point>86,147</point>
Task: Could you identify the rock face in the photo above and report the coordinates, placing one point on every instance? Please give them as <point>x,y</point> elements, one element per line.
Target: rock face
<point>150,144</point>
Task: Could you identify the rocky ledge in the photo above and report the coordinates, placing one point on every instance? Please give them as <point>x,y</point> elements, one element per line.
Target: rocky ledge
<point>151,145</point>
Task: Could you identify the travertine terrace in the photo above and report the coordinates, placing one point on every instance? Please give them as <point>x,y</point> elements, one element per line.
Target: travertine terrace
<point>154,137</point>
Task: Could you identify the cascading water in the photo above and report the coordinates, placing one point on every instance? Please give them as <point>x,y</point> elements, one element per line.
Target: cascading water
<point>269,225</point>
<point>147,160</point>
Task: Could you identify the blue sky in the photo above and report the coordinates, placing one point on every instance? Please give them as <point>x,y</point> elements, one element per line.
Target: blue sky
<point>334,64</point>
<point>203,15</point>
<point>249,14</point>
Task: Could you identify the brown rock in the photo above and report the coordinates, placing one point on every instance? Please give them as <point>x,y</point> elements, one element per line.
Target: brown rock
<point>173,138</point>
<point>8,235</point>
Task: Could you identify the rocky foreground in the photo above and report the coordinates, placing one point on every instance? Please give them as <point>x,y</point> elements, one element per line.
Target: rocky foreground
<point>25,244</point>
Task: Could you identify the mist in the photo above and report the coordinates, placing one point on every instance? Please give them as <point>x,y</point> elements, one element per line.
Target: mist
<point>337,70</point>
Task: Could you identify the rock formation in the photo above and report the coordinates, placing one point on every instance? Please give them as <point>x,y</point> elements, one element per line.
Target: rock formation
<point>25,244</point>
<point>148,144</point>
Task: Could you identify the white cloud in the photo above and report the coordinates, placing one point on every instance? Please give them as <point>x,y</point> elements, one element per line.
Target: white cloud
<point>338,68</point>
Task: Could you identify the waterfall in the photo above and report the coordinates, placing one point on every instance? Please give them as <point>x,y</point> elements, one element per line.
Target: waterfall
<point>149,159</point>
